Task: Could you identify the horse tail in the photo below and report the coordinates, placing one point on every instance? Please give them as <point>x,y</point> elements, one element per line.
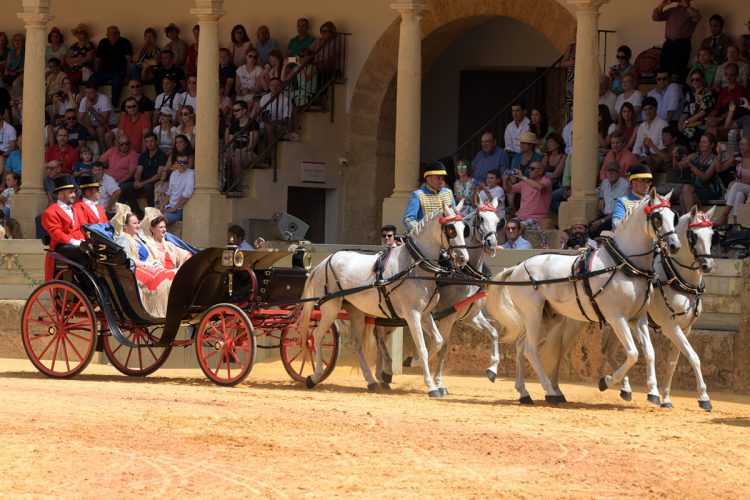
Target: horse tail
<point>558,333</point>
<point>501,307</point>
<point>308,292</point>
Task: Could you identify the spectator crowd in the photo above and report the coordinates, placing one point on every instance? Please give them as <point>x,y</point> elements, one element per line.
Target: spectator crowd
<point>139,150</point>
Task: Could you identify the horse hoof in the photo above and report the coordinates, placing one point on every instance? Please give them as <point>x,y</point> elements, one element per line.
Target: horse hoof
<point>554,399</point>
<point>491,376</point>
<point>384,386</point>
<point>603,384</point>
<point>669,405</point>
<point>443,391</point>
<point>626,395</point>
<point>309,382</point>
<point>526,400</point>
<point>373,387</point>
<point>435,394</point>
<point>562,399</point>
<point>653,399</point>
<point>407,362</point>
<point>706,405</point>
<point>387,377</point>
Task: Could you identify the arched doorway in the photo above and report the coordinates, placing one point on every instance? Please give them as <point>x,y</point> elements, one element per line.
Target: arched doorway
<point>369,178</point>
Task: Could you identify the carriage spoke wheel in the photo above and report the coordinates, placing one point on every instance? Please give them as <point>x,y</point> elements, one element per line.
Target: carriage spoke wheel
<point>225,344</point>
<point>59,329</point>
<point>137,361</point>
<point>299,360</point>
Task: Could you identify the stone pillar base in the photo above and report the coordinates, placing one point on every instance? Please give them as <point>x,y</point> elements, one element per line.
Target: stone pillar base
<point>393,210</point>
<point>27,204</point>
<point>582,207</point>
<point>206,219</point>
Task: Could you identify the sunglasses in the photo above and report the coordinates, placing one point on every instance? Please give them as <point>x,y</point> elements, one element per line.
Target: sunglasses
<point>182,162</point>
<point>621,58</point>
<point>124,144</point>
<point>461,166</point>
<point>132,106</point>
<point>387,235</point>
<point>661,78</point>
<point>251,56</point>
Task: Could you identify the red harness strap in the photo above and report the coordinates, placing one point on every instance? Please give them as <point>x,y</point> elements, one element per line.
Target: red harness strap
<point>455,218</point>
<point>469,301</point>
<point>701,220</point>
<point>662,204</point>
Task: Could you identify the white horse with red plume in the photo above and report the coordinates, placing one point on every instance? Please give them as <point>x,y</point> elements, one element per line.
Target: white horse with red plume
<point>351,276</point>
<point>611,284</point>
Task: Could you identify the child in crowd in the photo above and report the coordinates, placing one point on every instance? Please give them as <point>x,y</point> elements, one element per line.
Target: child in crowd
<point>85,162</point>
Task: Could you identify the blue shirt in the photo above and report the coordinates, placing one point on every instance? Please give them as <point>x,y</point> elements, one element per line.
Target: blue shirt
<point>518,158</point>
<point>414,212</point>
<point>484,162</point>
<point>520,244</point>
<point>622,205</point>
<point>13,163</point>
<point>265,50</point>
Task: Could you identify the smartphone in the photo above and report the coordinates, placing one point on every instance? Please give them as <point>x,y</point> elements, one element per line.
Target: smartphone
<point>292,59</point>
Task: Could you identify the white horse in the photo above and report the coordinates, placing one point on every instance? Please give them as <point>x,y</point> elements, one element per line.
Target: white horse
<point>458,303</point>
<point>674,308</point>
<point>612,286</point>
<point>411,300</point>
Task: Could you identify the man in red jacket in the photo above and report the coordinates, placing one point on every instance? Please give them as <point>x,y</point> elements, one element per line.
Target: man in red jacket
<point>88,210</point>
<point>63,226</point>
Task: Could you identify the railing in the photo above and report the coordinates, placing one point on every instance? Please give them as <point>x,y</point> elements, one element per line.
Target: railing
<point>547,88</point>
<point>330,63</point>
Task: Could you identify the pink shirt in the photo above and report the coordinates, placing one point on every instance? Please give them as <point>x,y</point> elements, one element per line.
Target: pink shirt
<point>119,165</point>
<point>627,160</point>
<point>534,203</point>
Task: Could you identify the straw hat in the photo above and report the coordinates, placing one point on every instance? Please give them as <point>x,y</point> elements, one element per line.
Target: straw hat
<point>528,137</point>
<point>80,28</point>
<point>150,214</point>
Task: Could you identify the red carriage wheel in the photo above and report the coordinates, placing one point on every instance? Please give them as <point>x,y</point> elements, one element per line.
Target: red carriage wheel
<point>299,362</point>
<point>225,344</point>
<point>59,329</point>
<point>136,361</point>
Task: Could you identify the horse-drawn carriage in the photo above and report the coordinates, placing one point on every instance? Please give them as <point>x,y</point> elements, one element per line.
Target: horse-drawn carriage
<point>224,298</point>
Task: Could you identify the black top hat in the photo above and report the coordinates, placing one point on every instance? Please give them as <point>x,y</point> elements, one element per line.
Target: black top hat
<point>64,182</point>
<point>88,181</point>
<point>639,172</point>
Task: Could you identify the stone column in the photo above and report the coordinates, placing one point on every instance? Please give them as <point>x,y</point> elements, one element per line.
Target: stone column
<point>32,200</point>
<point>583,202</point>
<point>408,109</point>
<point>205,218</point>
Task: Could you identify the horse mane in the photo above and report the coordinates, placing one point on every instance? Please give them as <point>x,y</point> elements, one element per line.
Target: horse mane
<point>629,212</point>
<point>421,224</point>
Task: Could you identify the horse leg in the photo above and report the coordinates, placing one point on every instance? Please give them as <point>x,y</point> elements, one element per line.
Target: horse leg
<point>385,364</point>
<point>680,341</point>
<point>358,332</point>
<point>672,359</point>
<point>533,322</point>
<point>609,349</point>
<point>480,323</point>
<point>622,330</point>
<point>446,326</point>
<point>413,318</point>
<point>525,398</point>
<point>644,338</point>
<point>329,311</point>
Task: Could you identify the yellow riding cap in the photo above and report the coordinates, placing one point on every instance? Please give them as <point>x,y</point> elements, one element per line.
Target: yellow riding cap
<point>639,172</point>
<point>435,168</point>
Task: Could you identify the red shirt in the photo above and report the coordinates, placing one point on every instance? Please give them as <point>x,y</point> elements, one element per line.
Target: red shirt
<point>119,165</point>
<point>627,160</point>
<point>67,157</point>
<point>726,96</point>
<point>134,129</point>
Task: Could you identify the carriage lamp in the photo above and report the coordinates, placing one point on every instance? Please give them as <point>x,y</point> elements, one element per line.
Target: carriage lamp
<point>231,258</point>
<point>302,258</point>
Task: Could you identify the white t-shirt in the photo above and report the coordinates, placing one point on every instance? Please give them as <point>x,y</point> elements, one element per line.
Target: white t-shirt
<point>181,185</point>
<point>102,105</point>
<point>635,99</point>
<point>247,78</point>
<point>7,134</point>
<point>279,109</point>
<point>166,137</point>
<point>107,187</point>
<point>497,194</point>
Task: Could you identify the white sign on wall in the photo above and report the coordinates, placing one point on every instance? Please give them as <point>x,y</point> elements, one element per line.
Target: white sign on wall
<point>314,172</point>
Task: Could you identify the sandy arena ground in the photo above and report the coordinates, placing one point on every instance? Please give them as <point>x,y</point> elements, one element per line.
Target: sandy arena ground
<point>176,434</point>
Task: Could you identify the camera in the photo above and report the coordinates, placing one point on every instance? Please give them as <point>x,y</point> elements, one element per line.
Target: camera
<point>293,59</point>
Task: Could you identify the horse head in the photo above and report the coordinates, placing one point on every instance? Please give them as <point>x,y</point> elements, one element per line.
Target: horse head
<point>486,226</point>
<point>698,235</point>
<point>454,230</point>
<point>662,221</point>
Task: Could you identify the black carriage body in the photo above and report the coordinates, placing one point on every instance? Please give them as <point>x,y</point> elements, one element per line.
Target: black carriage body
<point>107,278</point>
<point>279,285</point>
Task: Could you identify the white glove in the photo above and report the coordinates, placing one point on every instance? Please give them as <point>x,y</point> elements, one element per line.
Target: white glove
<point>76,243</point>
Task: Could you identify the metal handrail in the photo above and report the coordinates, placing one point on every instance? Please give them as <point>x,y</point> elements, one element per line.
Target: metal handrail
<point>497,116</point>
<point>337,75</point>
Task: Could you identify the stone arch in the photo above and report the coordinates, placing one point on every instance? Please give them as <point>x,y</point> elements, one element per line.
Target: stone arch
<point>372,114</point>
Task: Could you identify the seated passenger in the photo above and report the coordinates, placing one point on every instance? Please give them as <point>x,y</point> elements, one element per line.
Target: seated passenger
<point>154,228</point>
<point>153,279</point>
<point>88,210</point>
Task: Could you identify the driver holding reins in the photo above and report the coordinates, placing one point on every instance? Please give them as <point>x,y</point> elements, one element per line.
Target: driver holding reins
<point>640,179</point>
<point>432,196</point>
